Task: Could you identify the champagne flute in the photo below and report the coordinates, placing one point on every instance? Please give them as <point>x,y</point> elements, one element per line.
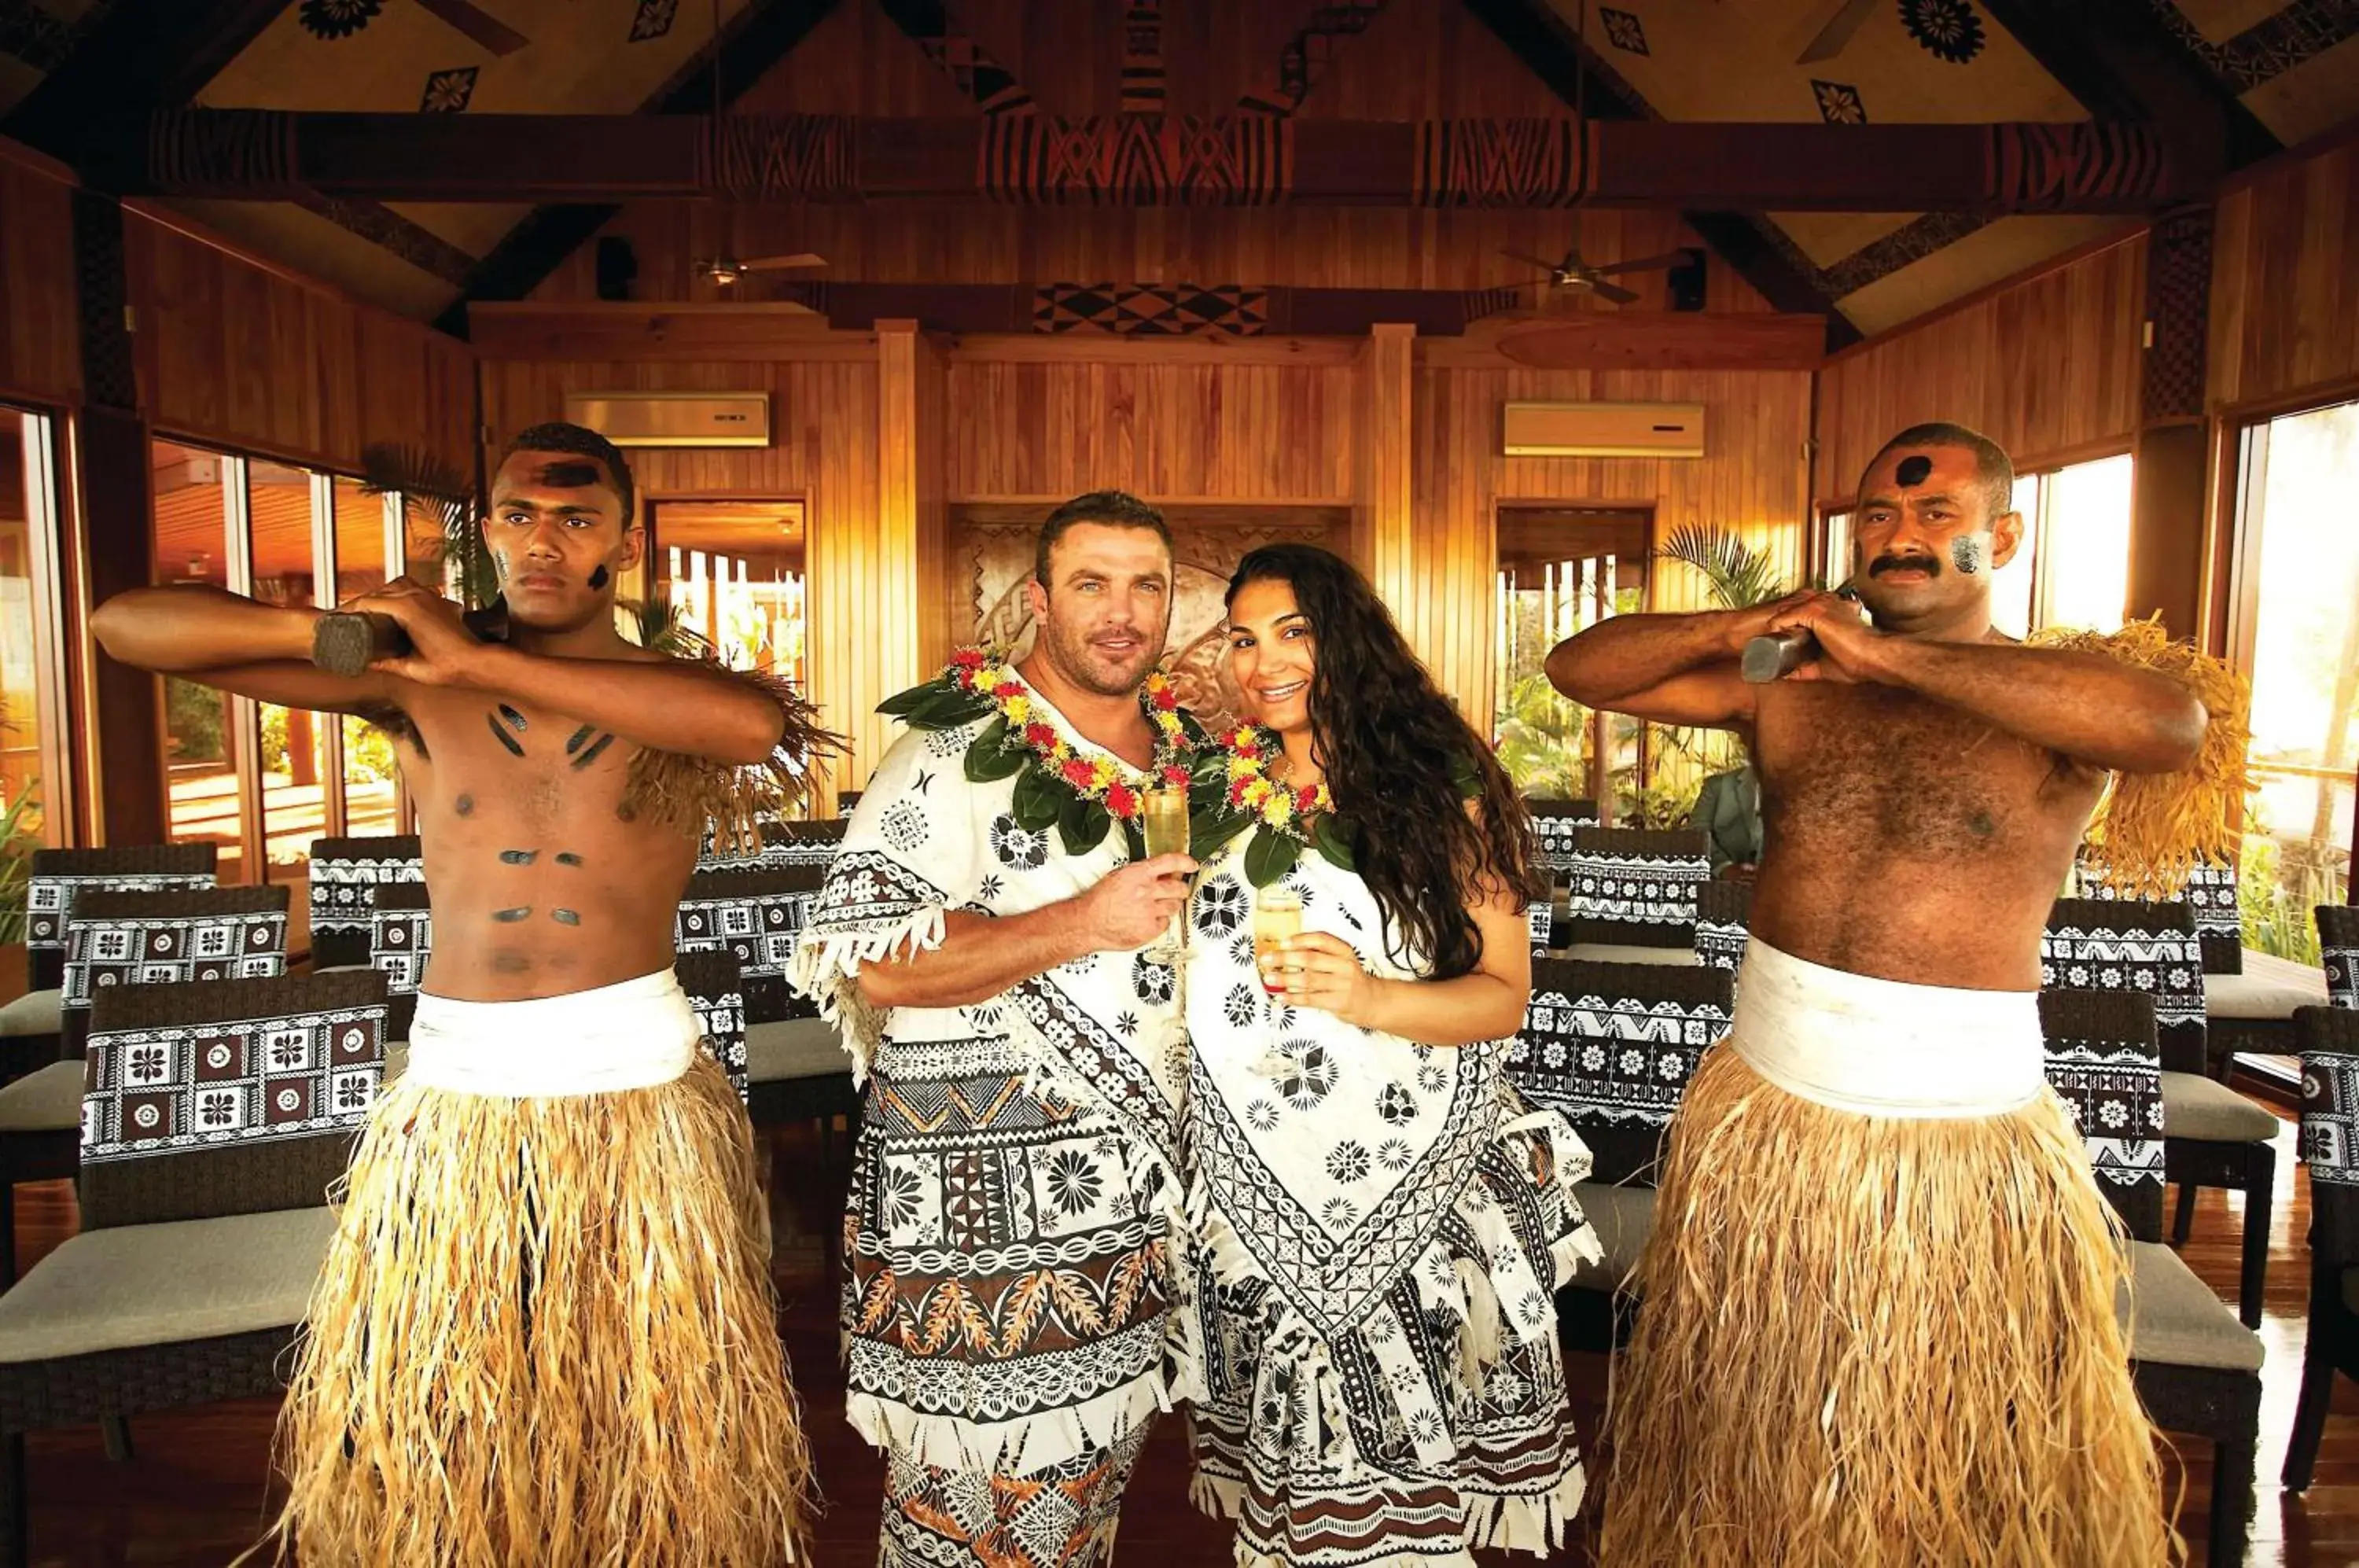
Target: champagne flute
<point>1277,917</point>
<point>1163,823</point>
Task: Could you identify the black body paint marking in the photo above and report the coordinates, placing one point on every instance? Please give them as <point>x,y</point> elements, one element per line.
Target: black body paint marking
<point>510,917</point>
<point>465,806</point>
<point>598,576</point>
<point>1912,471</point>
<point>591,755</point>
<point>580,735</point>
<point>565,916</point>
<point>567,857</point>
<point>570,475</point>
<point>1968,553</point>
<point>519,856</point>
<point>516,748</point>
<point>1982,825</point>
<point>513,717</point>
<point>510,963</point>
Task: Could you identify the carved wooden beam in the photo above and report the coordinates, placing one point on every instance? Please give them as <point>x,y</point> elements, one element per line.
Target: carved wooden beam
<point>1116,160</point>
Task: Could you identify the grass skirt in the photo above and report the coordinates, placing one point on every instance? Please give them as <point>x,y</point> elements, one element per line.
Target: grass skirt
<point>546,1336</point>
<point>1868,1341</point>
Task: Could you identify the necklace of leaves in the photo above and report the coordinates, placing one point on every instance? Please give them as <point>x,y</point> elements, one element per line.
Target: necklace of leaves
<point>1056,786</point>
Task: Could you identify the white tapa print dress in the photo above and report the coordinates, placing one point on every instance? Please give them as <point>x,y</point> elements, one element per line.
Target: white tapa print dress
<point>1380,1229</point>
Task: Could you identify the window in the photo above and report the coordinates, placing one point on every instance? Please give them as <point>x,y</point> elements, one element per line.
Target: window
<point>2296,630</point>
<point>260,781</point>
<point>1561,571</point>
<point>200,538</point>
<point>2082,572</point>
<point>729,574</point>
<point>34,809</point>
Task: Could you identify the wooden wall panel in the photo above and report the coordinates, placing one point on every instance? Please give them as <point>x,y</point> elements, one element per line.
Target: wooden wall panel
<point>40,344</point>
<point>1751,479</point>
<point>2044,367</point>
<point>237,353</point>
<point>823,450</point>
<point>1049,429</point>
<point>2285,283</point>
<point>1384,521</point>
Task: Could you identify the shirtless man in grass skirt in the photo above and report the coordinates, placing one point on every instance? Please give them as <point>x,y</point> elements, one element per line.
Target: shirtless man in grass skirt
<point>546,1333</point>
<point>1878,1322</point>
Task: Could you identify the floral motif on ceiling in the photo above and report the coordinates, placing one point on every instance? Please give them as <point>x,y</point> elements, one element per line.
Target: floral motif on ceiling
<point>337,18</point>
<point>1946,29</point>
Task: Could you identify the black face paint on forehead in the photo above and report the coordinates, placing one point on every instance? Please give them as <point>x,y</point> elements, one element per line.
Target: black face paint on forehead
<point>1913,471</point>
<point>598,576</point>
<point>1970,553</point>
<point>570,474</point>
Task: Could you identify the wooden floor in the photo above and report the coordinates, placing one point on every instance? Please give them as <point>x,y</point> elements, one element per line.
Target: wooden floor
<point>193,1492</point>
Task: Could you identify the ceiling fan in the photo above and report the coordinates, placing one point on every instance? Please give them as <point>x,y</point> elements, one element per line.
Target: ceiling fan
<point>725,271</point>
<point>1572,272</point>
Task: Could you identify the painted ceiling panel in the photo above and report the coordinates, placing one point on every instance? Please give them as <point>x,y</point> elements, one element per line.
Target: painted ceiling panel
<point>2314,97</point>
<point>2220,20</point>
<point>332,252</point>
<point>1989,253</point>
<point>1828,238</point>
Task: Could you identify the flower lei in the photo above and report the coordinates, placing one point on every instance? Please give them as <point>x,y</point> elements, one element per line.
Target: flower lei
<point>1235,774</point>
<point>1080,796</point>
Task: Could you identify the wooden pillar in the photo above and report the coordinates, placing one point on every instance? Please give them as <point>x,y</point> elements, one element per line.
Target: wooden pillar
<point>1382,542</point>
<point>2169,488</point>
<point>111,473</point>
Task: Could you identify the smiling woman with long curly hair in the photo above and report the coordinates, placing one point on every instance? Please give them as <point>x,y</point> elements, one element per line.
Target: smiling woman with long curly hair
<point>1384,1222</point>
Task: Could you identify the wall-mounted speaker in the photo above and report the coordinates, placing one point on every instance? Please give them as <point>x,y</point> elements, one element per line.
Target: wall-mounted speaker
<point>616,267</point>
<point>1685,282</point>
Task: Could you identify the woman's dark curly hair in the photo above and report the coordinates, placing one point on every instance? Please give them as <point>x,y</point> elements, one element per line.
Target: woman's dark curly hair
<point>1394,750</point>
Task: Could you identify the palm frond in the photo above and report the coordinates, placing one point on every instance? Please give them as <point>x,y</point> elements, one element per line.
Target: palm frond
<point>661,627</point>
<point>1738,574</point>
<point>445,498</point>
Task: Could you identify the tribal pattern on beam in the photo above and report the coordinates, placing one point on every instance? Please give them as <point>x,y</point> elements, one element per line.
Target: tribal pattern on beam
<point>1142,57</point>
<point>1144,160</point>
<point>979,76</point>
<point>2036,167</point>
<point>1307,55</point>
<point>1501,163</point>
<point>784,158</point>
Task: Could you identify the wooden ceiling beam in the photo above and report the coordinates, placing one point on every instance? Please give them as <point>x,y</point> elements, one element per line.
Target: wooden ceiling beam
<point>1534,32</point>
<point>2121,64</point>
<point>141,56</point>
<point>1126,161</point>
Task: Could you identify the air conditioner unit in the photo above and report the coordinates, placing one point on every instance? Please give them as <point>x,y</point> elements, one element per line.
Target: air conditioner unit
<point>1604,429</point>
<point>674,418</point>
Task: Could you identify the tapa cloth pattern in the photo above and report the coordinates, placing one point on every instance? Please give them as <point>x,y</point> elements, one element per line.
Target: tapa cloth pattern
<point>1012,1188</point>
<point>1380,1230</point>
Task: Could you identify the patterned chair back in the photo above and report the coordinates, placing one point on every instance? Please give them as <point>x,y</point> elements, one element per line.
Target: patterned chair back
<point>717,992</point>
<point>2106,1064</point>
<point>1539,915</point>
<point>755,914</point>
<point>1636,887</point>
<point>57,874</point>
<point>226,1096</point>
<point>2209,893</point>
<point>401,938</point>
<point>167,939</point>
<point>2338,945</point>
<point>1552,825</point>
<point>2132,944</point>
<point>1723,913</point>
<point>2329,1041</point>
<point>345,874</point>
<point>1612,1046</point>
<point>807,844</point>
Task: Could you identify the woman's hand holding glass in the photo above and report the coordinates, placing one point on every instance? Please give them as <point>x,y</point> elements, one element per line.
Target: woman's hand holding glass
<point>1319,969</point>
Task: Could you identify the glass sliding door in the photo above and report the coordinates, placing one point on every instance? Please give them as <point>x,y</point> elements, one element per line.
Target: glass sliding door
<point>200,539</point>
<point>2295,627</point>
<point>365,527</point>
<point>283,504</point>
<point>1562,571</point>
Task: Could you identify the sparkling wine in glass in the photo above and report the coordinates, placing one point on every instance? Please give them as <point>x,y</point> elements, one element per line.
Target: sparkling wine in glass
<point>1277,916</point>
<point>1163,823</point>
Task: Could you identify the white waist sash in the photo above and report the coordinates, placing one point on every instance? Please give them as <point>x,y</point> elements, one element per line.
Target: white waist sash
<point>1882,1048</point>
<point>634,1035</point>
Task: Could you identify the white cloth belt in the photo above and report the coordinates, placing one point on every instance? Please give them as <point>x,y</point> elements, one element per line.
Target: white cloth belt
<point>1882,1048</point>
<point>634,1035</point>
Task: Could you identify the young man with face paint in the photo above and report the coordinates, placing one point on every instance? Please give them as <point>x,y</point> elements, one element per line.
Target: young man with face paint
<point>1879,1323</point>
<point>553,1251</point>
<point>1008,1226</point>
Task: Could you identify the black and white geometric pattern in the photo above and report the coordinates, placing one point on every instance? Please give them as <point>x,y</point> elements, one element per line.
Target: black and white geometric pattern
<point>2114,1093</point>
<point>113,942</point>
<point>401,937</point>
<point>1723,913</point>
<point>345,876</point>
<point>755,915</point>
<point>1539,918</point>
<point>1628,885</point>
<point>2338,946</point>
<point>1552,825</point>
<point>1610,1060</point>
<point>2209,895</point>
<point>2128,944</point>
<point>155,1090</point>
<point>60,874</point>
<point>710,982</point>
<point>2330,1116</point>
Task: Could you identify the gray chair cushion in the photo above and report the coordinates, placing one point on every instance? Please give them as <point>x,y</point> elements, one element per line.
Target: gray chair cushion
<point>162,1284</point>
<point>2176,1320</point>
<point>2270,987</point>
<point>797,1048</point>
<point>1624,1217</point>
<point>2199,1107</point>
<point>46,1100</point>
<point>1615,953</point>
<point>34,1013</point>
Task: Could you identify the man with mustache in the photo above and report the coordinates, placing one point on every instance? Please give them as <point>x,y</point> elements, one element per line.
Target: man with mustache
<point>1879,1304</point>
<point>1010,1278</point>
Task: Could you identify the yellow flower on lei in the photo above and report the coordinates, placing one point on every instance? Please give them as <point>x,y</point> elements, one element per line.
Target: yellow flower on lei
<point>1259,792</point>
<point>1102,773</point>
<point>1277,808</point>
<point>1017,708</point>
<point>1243,767</point>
